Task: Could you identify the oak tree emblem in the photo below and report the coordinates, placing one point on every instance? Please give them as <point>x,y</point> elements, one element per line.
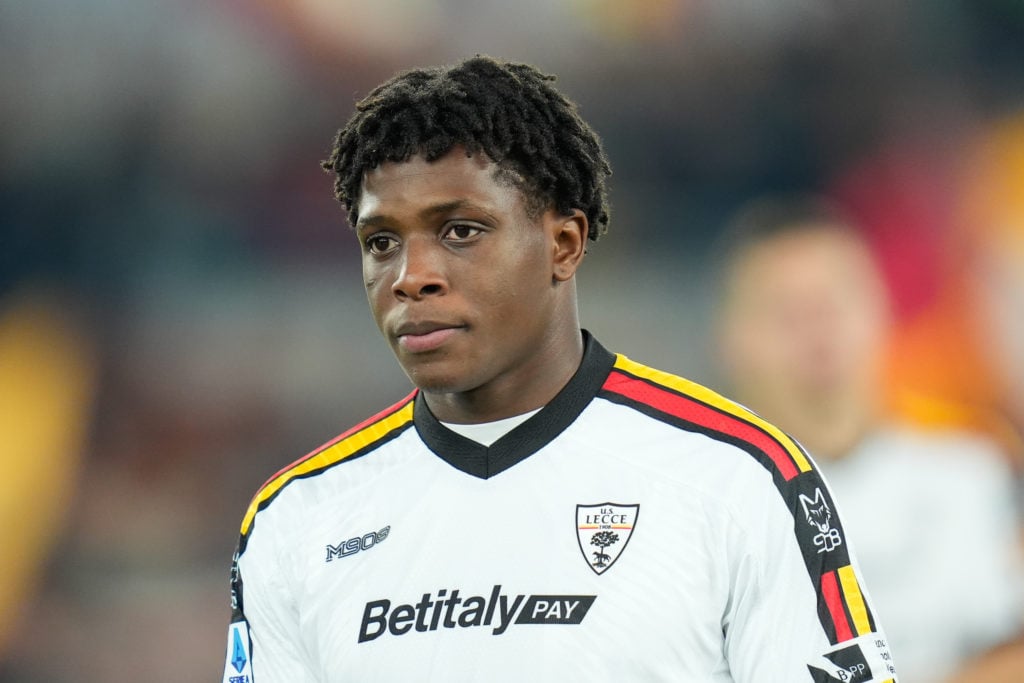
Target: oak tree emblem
<point>607,527</point>
<point>603,539</point>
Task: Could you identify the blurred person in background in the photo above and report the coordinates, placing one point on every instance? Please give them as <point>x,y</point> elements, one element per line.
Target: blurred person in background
<point>418,544</point>
<point>803,329</point>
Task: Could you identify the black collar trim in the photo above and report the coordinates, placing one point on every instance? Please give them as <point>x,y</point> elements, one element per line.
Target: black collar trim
<point>484,462</point>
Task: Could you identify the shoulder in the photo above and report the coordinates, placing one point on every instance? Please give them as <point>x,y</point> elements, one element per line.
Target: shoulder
<point>781,521</point>
<point>691,407</point>
<point>362,439</point>
<point>744,466</point>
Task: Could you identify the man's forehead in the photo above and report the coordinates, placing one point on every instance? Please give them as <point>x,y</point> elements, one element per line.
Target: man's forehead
<point>455,179</point>
<point>455,175</point>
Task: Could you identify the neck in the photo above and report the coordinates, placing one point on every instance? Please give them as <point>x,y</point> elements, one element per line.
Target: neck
<point>524,387</point>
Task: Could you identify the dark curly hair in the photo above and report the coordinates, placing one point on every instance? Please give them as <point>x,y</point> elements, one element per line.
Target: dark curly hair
<point>510,112</point>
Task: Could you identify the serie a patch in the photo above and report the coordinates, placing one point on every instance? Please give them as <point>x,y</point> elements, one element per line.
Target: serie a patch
<point>238,659</point>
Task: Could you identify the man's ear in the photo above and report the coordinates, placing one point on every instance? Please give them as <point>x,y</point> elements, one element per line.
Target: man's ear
<point>569,241</point>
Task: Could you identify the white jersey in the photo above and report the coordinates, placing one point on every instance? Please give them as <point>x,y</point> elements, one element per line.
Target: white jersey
<point>637,528</point>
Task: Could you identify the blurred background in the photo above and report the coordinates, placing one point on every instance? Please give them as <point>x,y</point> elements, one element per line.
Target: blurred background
<point>181,311</point>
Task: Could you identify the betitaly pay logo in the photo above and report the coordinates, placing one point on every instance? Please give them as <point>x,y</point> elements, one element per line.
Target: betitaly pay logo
<point>603,530</point>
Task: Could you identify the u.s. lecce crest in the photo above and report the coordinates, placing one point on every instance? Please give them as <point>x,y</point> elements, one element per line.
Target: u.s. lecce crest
<point>603,530</point>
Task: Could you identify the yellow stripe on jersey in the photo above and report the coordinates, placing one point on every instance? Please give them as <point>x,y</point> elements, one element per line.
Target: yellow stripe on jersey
<point>705,395</point>
<point>854,600</point>
<point>332,454</point>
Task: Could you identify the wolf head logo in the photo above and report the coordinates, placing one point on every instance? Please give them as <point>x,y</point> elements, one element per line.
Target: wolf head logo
<point>816,511</point>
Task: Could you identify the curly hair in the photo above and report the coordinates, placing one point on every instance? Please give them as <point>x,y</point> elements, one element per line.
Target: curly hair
<point>510,112</point>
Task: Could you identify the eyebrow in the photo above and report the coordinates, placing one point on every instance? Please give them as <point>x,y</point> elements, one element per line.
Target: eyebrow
<point>428,212</point>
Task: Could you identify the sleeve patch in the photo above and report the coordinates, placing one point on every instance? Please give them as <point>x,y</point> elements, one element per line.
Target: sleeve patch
<point>238,659</point>
<point>863,660</point>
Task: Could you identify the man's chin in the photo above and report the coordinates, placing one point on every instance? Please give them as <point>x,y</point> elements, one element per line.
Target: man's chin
<point>436,380</point>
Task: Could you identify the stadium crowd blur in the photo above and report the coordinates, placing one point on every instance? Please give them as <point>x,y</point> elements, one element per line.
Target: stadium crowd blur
<point>181,312</point>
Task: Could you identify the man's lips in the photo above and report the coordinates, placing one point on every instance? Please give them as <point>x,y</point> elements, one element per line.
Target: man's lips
<point>418,338</point>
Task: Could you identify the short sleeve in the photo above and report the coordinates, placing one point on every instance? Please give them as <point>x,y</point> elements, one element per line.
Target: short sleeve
<point>798,610</point>
<point>264,641</point>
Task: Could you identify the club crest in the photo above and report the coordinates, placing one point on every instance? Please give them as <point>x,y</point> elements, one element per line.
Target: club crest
<point>603,530</point>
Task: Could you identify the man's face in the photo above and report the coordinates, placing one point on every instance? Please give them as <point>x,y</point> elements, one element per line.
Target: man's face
<point>804,321</point>
<point>460,278</point>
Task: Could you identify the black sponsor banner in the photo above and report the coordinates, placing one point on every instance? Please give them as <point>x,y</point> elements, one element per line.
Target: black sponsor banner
<point>555,609</point>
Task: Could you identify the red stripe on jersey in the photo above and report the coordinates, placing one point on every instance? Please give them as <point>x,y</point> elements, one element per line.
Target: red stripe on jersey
<point>697,413</point>
<point>344,435</point>
<point>834,602</point>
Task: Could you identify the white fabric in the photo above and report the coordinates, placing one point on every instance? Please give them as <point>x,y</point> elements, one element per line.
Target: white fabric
<point>709,585</point>
<point>933,519</point>
<point>487,433</point>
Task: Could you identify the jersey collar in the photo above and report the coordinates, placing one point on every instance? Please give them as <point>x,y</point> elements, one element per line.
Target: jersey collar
<point>529,437</point>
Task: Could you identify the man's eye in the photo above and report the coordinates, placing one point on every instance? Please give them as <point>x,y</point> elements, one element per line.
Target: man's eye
<point>458,233</point>
<point>378,244</point>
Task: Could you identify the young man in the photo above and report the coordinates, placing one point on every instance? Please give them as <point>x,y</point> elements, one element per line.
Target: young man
<point>804,326</point>
<point>538,508</point>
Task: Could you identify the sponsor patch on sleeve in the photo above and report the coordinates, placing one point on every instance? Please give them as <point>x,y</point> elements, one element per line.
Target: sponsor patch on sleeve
<point>237,664</point>
<point>861,660</point>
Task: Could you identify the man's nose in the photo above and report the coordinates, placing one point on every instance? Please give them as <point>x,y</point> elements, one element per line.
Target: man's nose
<point>421,273</point>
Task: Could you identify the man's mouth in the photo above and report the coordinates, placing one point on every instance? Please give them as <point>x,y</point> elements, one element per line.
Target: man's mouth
<point>425,336</point>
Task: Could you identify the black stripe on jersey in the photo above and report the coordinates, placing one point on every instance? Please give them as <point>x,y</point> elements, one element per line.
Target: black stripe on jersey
<point>690,426</point>
<point>804,484</point>
<point>365,450</point>
<point>532,435</point>
<point>849,615</point>
<point>237,603</point>
<point>716,409</point>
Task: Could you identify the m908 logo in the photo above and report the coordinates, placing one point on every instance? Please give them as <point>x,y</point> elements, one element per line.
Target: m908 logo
<point>357,544</point>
